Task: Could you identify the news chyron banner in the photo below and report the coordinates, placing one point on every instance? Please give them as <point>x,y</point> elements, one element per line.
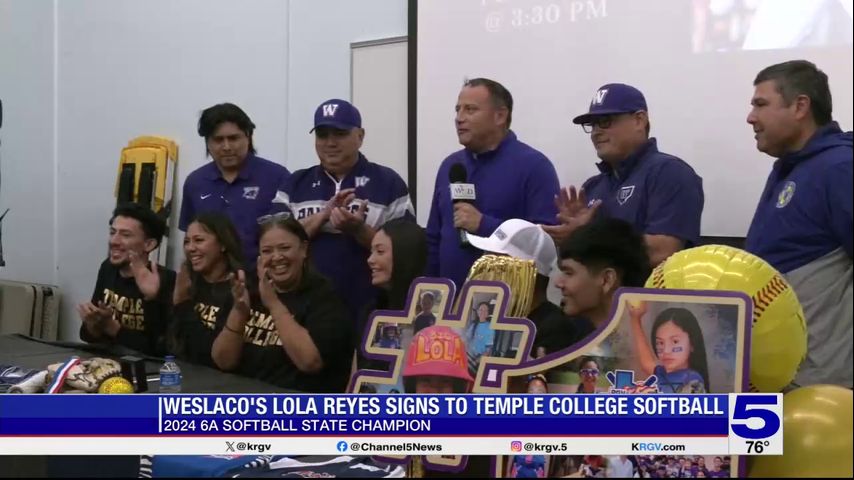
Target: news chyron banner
<point>656,342</point>
<point>478,424</point>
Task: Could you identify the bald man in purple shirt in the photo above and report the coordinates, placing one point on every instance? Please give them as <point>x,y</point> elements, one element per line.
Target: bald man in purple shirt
<point>658,193</point>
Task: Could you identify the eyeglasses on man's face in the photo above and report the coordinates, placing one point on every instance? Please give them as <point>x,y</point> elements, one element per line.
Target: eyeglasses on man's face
<point>603,121</point>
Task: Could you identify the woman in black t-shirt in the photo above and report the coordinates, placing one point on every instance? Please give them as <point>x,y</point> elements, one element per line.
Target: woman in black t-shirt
<point>288,327</point>
<point>202,296</point>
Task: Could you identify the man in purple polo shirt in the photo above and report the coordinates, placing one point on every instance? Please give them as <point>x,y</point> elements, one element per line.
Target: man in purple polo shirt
<point>343,201</point>
<point>237,182</point>
<point>658,193</point>
<point>804,225</point>
<point>511,179</point>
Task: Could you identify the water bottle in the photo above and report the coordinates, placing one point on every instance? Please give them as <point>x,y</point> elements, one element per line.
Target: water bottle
<point>170,376</point>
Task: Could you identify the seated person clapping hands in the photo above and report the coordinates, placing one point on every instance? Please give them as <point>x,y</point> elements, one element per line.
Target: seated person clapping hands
<point>287,326</point>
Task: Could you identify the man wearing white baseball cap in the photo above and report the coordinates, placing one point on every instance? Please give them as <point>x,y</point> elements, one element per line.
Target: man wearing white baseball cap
<point>524,240</point>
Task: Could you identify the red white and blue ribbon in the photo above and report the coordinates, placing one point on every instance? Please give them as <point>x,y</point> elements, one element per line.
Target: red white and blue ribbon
<point>61,373</point>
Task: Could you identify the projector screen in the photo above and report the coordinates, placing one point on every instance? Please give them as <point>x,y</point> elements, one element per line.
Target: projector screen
<point>695,61</point>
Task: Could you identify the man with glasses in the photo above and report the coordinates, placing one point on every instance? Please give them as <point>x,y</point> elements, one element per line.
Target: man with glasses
<point>237,182</point>
<point>659,194</point>
<point>342,201</point>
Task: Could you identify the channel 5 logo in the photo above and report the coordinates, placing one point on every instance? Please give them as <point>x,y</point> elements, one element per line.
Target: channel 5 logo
<point>516,446</point>
<point>755,426</point>
<point>756,416</point>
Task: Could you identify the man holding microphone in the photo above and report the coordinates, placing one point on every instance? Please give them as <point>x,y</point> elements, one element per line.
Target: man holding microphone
<point>498,178</point>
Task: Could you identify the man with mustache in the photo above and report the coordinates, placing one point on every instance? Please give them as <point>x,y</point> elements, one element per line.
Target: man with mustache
<point>659,194</point>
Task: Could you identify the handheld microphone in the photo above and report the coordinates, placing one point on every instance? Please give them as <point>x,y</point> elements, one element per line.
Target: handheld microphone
<point>461,192</point>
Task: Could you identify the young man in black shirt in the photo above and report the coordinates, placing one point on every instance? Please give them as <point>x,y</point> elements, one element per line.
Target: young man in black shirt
<point>133,295</point>
<point>597,260</point>
<point>525,240</point>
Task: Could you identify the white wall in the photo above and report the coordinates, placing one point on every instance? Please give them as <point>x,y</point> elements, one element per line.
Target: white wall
<point>128,68</point>
<point>27,139</point>
<point>380,87</point>
<point>124,68</point>
<point>321,32</point>
<point>698,102</point>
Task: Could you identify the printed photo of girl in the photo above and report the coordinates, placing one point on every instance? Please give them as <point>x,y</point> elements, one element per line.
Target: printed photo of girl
<point>676,352</point>
<point>479,335</point>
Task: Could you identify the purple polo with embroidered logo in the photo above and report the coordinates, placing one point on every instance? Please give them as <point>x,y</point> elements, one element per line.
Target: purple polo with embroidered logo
<point>245,200</point>
<point>512,181</point>
<point>657,193</point>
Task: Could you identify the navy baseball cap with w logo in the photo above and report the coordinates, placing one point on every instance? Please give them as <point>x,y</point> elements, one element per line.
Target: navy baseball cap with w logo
<point>611,99</point>
<point>337,113</point>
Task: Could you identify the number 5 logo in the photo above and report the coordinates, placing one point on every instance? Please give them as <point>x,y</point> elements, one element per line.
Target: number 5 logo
<point>748,407</point>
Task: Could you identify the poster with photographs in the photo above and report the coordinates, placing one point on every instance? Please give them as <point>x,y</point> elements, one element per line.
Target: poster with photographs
<point>438,345</point>
<point>636,466</point>
<point>656,341</point>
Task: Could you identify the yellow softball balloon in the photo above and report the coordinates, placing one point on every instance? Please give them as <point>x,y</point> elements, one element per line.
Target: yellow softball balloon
<point>115,385</point>
<point>779,334</point>
<point>817,434</point>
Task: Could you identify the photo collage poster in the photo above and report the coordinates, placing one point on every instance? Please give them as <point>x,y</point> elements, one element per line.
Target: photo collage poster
<point>656,341</point>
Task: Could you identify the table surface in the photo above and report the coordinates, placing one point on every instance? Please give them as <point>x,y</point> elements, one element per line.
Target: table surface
<point>25,352</point>
<point>28,353</point>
